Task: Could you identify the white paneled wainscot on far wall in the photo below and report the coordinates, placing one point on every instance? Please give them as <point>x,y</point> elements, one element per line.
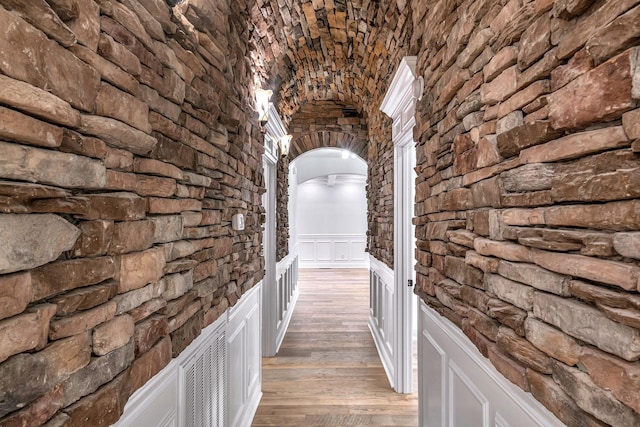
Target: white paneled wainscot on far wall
<point>332,222</point>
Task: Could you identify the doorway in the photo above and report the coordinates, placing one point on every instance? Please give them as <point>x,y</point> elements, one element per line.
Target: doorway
<point>404,260</point>
<point>330,209</point>
<point>269,294</point>
<point>399,104</point>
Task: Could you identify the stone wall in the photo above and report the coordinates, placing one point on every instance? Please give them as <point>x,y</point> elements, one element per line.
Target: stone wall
<point>127,142</point>
<point>330,63</point>
<point>527,196</point>
<point>380,207</point>
<point>311,51</point>
<point>328,124</point>
<point>282,208</point>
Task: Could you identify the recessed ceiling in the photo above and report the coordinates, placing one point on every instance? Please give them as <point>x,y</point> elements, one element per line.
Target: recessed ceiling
<point>327,161</point>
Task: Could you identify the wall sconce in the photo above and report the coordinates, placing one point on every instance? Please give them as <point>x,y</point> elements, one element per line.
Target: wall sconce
<point>285,144</point>
<point>262,105</point>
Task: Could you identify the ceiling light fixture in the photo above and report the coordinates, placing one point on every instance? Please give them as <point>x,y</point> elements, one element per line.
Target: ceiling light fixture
<point>285,144</point>
<point>263,98</point>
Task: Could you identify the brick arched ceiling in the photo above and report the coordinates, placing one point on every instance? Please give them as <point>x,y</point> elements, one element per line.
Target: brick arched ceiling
<point>319,50</point>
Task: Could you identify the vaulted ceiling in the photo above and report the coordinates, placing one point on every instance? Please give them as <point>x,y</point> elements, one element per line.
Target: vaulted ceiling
<point>326,50</point>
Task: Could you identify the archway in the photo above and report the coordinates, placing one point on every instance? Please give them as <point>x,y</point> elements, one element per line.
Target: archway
<point>328,209</point>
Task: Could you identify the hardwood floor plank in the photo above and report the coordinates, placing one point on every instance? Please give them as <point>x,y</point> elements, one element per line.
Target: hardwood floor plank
<point>327,372</point>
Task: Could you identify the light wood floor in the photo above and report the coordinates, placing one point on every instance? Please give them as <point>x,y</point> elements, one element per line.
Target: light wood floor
<point>327,372</point>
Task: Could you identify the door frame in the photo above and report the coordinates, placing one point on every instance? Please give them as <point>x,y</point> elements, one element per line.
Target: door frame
<point>400,104</point>
<point>273,131</point>
<point>404,260</point>
<point>269,251</point>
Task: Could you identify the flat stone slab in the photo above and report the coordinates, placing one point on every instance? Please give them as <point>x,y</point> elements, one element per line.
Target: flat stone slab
<point>30,241</point>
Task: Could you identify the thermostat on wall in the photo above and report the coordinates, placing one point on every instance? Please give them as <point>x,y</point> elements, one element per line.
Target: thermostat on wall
<point>237,222</point>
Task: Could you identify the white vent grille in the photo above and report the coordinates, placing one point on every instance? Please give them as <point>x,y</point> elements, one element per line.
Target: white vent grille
<point>204,385</point>
<point>190,389</point>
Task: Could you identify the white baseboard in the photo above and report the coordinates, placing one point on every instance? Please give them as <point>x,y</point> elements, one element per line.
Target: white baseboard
<point>250,409</point>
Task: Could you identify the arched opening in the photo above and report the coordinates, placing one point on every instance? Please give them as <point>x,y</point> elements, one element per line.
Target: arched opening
<point>328,208</point>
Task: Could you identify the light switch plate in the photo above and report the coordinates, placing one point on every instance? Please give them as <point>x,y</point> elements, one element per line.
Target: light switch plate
<point>237,222</point>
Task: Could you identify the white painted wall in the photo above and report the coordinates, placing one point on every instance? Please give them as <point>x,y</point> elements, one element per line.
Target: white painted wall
<point>341,209</point>
<point>332,223</point>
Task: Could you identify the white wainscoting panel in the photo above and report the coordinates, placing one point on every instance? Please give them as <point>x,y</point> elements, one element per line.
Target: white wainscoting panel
<point>243,347</point>
<point>155,404</point>
<point>214,382</point>
<point>287,290</point>
<point>324,250</point>
<point>342,249</point>
<point>333,251</point>
<point>467,402</point>
<point>458,387</point>
<point>381,315</point>
<point>432,382</point>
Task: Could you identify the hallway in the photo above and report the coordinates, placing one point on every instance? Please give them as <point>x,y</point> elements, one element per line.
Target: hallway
<point>327,372</point>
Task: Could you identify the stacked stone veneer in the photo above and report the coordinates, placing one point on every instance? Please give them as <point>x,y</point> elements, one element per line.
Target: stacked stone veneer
<point>328,124</point>
<point>127,142</point>
<point>527,201</point>
<point>329,50</point>
<point>380,207</point>
<point>527,210</point>
<point>330,63</point>
<point>282,208</point>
